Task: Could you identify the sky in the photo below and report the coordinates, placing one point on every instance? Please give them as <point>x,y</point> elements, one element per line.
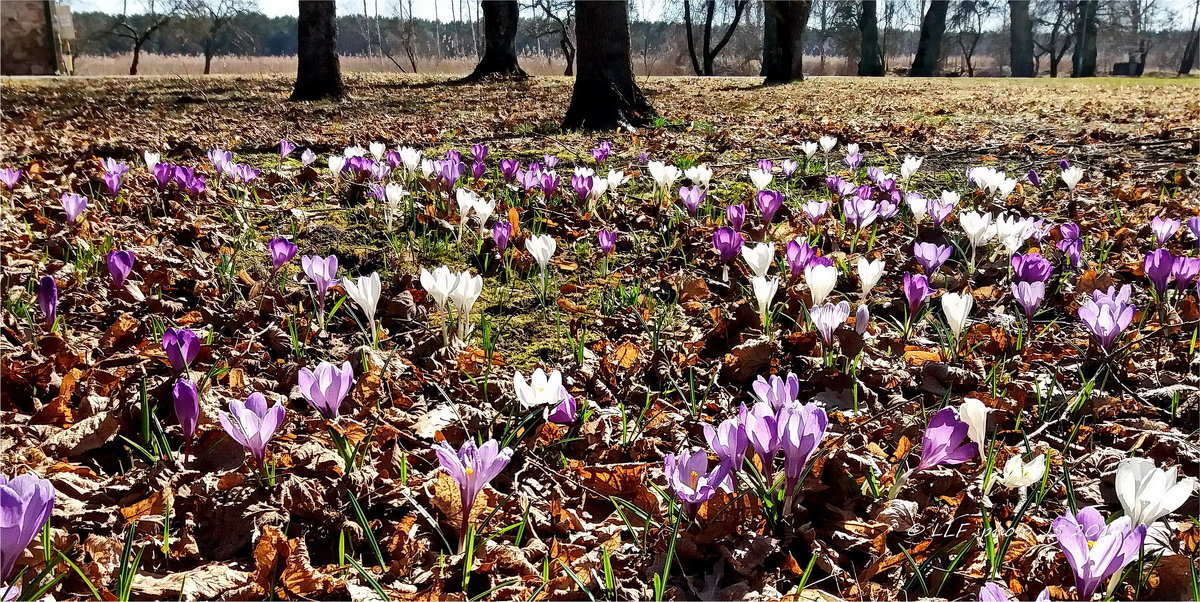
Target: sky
<point>424,9</point>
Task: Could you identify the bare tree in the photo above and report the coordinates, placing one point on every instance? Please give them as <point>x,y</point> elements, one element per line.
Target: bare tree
<point>318,72</point>
<point>967,22</point>
<point>709,52</point>
<point>155,15</point>
<point>929,47</point>
<point>1055,17</point>
<point>1193,44</point>
<point>559,15</point>
<point>216,14</point>
<point>1020,49</point>
<point>606,95</point>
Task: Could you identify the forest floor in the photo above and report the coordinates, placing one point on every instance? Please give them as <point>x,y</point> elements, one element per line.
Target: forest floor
<point>653,339</point>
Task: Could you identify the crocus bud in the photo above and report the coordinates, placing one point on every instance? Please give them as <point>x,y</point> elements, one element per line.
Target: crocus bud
<point>187,406</point>
<point>281,250</point>
<point>285,148</point>
<point>47,298</point>
<point>181,345</point>
<point>120,263</point>
<point>608,240</point>
<point>736,214</point>
<point>28,503</point>
<point>501,232</point>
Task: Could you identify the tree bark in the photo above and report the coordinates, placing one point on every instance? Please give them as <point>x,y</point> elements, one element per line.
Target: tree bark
<point>1193,44</point>
<point>769,29</point>
<point>606,95</point>
<point>784,58</point>
<point>137,55</point>
<point>929,47</point>
<point>318,72</point>
<point>870,63</point>
<point>691,40</point>
<point>500,18</point>
<point>1083,60</point>
<point>1020,51</point>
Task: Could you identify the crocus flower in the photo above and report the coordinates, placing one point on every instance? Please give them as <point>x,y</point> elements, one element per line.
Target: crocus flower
<point>727,242</point>
<point>181,345</point>
<point>47,298</point>
<point>958,311</point>
<point>542,390</point>
<point>769,202</point>
<point>815,210</point>
<point>691,480</point>
<point>1148,493</point>
<point>869,273</point>
<point>479,152</point>
<point>501,232</point>
<point>1017,473</point>
<point>565,412</point>
<point>326,387</point>
<point>285,148</point>
<point>828,317</point>
<point>607,240</point>
<point>789,167</point>
<point>542,248</point>
<point>1031,267</point>
<point>1029,296</point>
<point>252,424</point>
<point>163,174</point>
<point>910,167</point>
<point>801,428</point>
<point>759,257</point>
<point>1193,225</point>
<point>365,292</point>
<point>766,164</point>
<point>616,178</point>
<point>1096,550</point>
<point>120,263</point>
<point>1185,270</point>
<point>307,157</point>
<point>839,187</point>
<point>860,212</point>
<point>1013,231</point>
<point>764,291</point>
<point>9,177</point>
<point>599,154</point>
<point>1071,177</point>
<point>939,212</point>
<point>551,161</point>
<point>728,440</point>
<point>1158,266</point>
<point>978,227</point>
<point>509,168</point>
<point>945,441</point>
<point>809,148</point>
<point>798,254</point>
<point>862,317</point>
<point>776,390</point>
<point>736,215</point>
<point>1033,178</point>
<point>27,501</point>
<point>323,272</point>
<point>1164,229</point>
<point>378,149</point>
<point>853,161</point>
<point>472,467</point>
<point>186,399</point>
<point>975,414</point>
<point>664,175</point>
<point>691,197</point>
<point>282,250</point>
<point>761,179</point>
<point>827,143</point>
<point>916,290</point>
<point>762,430</point>
<point>931,256</point>
<point>821,280</point>
<point>73,204</point>
<point>1107,314</point>
<point>440,283</point>
<point>464,296</point>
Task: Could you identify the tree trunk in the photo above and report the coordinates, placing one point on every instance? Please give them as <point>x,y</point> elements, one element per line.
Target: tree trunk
<point>769,29</point>
<point>1193,45</point>
<point>870,63</point>
<point>137,55</point>
<point>208,54</point>
<point>1083,60</point>
<point>929,48</point>
<point>1020,50</point>
<point>500,41</point>
<point>691,40</point>
<point>710,9</point>
<point>318,72</point>
<point>784,58</point>
<point>606,95</point>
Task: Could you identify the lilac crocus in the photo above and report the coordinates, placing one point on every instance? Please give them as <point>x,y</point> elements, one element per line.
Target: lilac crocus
<point>728,440</point>
<point>112,182</point>
<point>529,180</point>
<point>735,214</point>
<point>839,187</point>
<point>607,240</point>
<point>1164,229</point>
<point>776,390</point>
<point>789,167</point>
<point>728,243</point>
<point>550,160</point>
<point>643,158</point>
<point>9,176</point>
<point>945,441</point>
<point>565,412</point>
<point>252,424</point>
<point>307,157</point>
<point>449,172</point>
<point>1094,549</point>
<point>1158,266</point>
<point>691,479</point>
<point>47,298</point>
<point>599,154</point>
<point>828,317</point>
<point>762,430</point>
<point>853,161</point>
<point>120,263</point>
<point>26,502</point>
<point>163,174</point>
<point>509,168</point>
<point>931,256</point>
<point>1193,225</point>
<point>246,173</point>
<point>501,233</point>
<point>939,212</point>
<point>1031,267</point>
<point>323,272</point>
<point>799,254</point>
<point>859,212</point>
<point>815,210</point>
<point>285,148</point>
<point>186,399</point>
<point>282,250</point>
<point>181,345</point>
<point>801,428</point>
<point>326,387</point>
<point>766,165</point>
<point>691,197</point>
<point>916,291</point>
<point>472,467</point>
<point>769,202</point>
<point>1107,314</point>
<point>549,183</point>
<point>1070,244</point>
<point>1185,270</point>
<point>1029,295</point>
<point>73,205</point>
<point>479,152</point>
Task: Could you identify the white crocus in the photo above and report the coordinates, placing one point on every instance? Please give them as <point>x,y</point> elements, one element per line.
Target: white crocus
<point>910,167</point>
<point>410,157</point>
<point>978,227</point>
<point>464,297</point>
<point>1018,473</point>
<point>1071,177</point>
<point>483,211</point>
<point>869,273</point>
<point>699,175</point>
<point>975,414</point>
<point>377,150</point>
<point>353,151</point>
<point>151,159</point>
<point>365,291</point>
<point>466,200</point>
<point>336,163</point>
<point>957,308</point>
<point>809,149</point>
<point>821,280</point>
<point>761,178</point>
<point>1148,493</point>
<point>1005,187</point>
<point>427,168</point>
<point>919,206</point>
<point>759,257</point>
<point>827,143</point>
<point>764,291</point>
<point>664,175</point>
<point>439,284</point>
<point>1013,231</point>
<point>599,187</point>
<point>394,193</point>
<point>852,148</point>
<point>616,178</point>
<point>950,197</point>
<point>540,391</point>
<point>542,249</point>
<point>585,172</point>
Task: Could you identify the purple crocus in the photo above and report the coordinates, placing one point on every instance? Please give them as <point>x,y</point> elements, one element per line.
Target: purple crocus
<point>1158,266</point>
<point>163,174</point>
<point>916,291</point>
<point>939,212</point>
<point>691,479</point>
<point>769,202</point>
<point>509,168</point>
<point>799,254</point>
<point>608,241</point>
<point>1107,314</point>
<point>449,172</point>
<point>252,424</point>
<point>323,272</point>
<point>282,250</point>
<point>112,182</point>
<point>186,398</point>
<point>1185,270</point>
<point>801,428</point>
<point>766,165</point>
<point>691,197</point>
<point>120,263</point>
<point>1031,267</point>
<point>735,214</point>
<point>479,152</point>
<point>477,169</point>
<point>1164,229</point>
<point>181,345</point>
<point>285,148</point>
<point>1070,244</point>
<point>47,298</point>
<point>549,183</point>
<point>643,158</point>
<point>728,440</point>
<point>245,173</point>
<point>945,441</point>
<point>728,243</point>
<point>501,232</point>
<point>762,430</point>
<point>776,390</point>
<point>859,212</point>
<point>472,467</point>
<point>600,154</point>
<point>219,158</point>
<point>73,204</point>
<point>1094,549</point>
<point>1033,178</point>
<point>9,176</point>
<point>815,210</point>
<point>565,412</point>
<point>326,387</point>
<point>26,502</point>
<point>1193,224</point>
<point>1029,295</point>
<point>931,256</point>
<point>853,161</point>
<point>529,180</point>
<point>839,187</point>
<point>582,185</point>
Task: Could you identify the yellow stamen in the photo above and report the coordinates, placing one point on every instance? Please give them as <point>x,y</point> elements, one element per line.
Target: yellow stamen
<point>695,477</point>
<point>470,471</point>
<point>1090,544</point>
